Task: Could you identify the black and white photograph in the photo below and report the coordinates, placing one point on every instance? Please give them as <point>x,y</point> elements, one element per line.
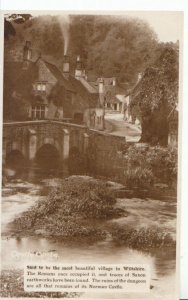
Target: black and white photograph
<point>91,109</point>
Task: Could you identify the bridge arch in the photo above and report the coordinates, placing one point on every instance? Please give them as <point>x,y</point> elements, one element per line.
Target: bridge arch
<point>48,156</point>
<point>16,160</point>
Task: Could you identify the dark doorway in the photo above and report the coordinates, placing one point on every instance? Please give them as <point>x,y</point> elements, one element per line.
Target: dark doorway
<point>47,157</point>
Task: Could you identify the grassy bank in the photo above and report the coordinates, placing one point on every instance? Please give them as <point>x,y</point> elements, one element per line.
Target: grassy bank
<point>78,208</point>
<point>74,209</point>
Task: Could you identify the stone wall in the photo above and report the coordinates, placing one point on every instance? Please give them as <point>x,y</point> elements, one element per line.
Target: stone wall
<point>105,155</point>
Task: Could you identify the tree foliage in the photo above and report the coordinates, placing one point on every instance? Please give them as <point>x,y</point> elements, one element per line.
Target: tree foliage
<point>149,165</point>
<point>9,29</point>
<point>157,94</point>
<point>109,45</point>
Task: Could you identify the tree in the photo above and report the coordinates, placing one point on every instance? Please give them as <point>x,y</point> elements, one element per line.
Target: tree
<point>157,94</point>
<point>109,45</point>
<point>9,19</point>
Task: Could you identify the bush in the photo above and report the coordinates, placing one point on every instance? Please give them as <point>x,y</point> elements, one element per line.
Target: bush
<point>148,165</point>
<point>71,209</point>
<point>77,196</point>
<point>143,238</point>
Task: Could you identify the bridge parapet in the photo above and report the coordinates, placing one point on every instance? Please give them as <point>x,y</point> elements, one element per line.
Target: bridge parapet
<point>29,136</point>
<point>99,148</point>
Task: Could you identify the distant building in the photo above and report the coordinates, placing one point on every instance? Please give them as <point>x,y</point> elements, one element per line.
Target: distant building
<point>114,94</point>
<point>52,93</point>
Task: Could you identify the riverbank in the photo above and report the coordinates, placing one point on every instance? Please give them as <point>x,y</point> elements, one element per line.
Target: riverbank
<point>81,207</point>
<point>148,211</point>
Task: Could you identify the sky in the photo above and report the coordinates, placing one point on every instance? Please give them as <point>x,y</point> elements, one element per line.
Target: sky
<point>167,25</point>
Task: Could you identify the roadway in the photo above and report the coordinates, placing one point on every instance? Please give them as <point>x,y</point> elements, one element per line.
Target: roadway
<point>115,125</point>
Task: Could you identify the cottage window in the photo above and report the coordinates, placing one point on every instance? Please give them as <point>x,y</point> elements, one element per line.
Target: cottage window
<point>38,112</point>
<point>40,86</point>
<point>43,87</point>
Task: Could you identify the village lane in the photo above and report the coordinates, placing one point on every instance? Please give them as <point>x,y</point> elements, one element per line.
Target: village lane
<point>116,125</point>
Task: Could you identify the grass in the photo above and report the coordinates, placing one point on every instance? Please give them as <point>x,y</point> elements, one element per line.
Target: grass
<point>70,210</point>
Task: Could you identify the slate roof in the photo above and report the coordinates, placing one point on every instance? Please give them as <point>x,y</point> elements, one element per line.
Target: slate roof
<point>21,80</point>
<point>82,90</point>
<point>114,89</point>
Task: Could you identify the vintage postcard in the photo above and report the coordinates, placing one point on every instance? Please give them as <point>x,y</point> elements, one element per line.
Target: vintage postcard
<point>91,111</point>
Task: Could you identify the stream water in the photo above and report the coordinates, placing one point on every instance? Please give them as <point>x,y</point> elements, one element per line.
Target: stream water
<point>21,193</point>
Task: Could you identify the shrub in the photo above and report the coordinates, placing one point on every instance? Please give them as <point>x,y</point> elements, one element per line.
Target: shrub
<point>143,238</point>
<point>148,165</point>
<point>70,208</point>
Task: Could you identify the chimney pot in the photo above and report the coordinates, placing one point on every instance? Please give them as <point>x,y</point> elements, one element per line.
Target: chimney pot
<point>27,51</point>
<point>79,68</point>
<point>114,81</point>
<point>139,77</point>
<point>101,92</point>
<point>66,65</point>
<point>101,85</point>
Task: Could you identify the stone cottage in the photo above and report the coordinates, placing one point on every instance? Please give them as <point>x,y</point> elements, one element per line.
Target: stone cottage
<point>55,93</point>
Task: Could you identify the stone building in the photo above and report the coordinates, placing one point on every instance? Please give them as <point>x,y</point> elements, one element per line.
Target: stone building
<point>54,93</point>
<point>114,94</point>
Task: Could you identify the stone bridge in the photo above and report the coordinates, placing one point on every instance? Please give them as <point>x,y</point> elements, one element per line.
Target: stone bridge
<point>29,137</point>
<point>36,141</point>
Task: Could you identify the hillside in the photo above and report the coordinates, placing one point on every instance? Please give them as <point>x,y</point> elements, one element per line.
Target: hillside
<point>109,45</point>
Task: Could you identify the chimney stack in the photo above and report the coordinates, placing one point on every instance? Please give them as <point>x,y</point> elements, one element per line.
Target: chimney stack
<point>101,85</point>
<point>66,65</point>
<point>27,51</point>
<point>114,81</point>
<point>78,70</point>
<point>101,92</point>
<point>139,77</point>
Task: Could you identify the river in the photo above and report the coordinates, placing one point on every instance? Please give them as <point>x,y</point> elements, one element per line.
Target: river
<point>22,192</point>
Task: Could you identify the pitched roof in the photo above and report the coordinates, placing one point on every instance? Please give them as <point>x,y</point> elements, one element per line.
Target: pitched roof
<point>59,76</point>
<point>107,80</point>
<point>114,89</point>
<point>53,69</point>
<point>82,90</point>
<point>26,76</point>
<point>90,88</point>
